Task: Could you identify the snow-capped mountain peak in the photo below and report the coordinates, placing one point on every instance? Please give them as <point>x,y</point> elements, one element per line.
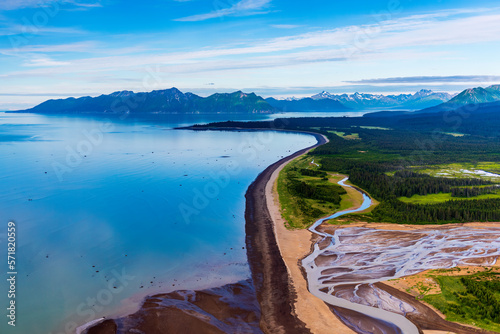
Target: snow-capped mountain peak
<point>421,99</point>
<point>423,93</point>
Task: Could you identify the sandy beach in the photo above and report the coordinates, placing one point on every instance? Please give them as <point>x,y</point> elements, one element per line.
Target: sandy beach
<point>295,245</point>
<point>276,289</point>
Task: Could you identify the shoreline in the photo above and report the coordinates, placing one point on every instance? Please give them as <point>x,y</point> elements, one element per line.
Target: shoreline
<point>274,286</point>
<point>274,255</point>
<point>294,246</point>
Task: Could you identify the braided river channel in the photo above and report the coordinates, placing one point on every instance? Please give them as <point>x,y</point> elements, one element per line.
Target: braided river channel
<point>347,262</point>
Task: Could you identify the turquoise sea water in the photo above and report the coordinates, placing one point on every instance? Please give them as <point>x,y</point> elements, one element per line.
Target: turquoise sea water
<point>108,211</point>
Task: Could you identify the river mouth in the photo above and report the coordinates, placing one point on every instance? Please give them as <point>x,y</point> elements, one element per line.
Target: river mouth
<point>349,262</point>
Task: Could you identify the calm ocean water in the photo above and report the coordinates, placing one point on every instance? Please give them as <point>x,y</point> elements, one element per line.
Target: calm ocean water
<point>110,211</point>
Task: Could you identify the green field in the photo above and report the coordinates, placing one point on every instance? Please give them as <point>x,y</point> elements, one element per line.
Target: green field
<point>472,299</point>
<point>440,198</point>
<point>462,170</point>
<point>351,136</point>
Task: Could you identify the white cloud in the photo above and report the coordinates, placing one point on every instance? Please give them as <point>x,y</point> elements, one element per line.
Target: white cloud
<point>71,47</point>
<point>430,79</point>
<point>84,4</point>
<point>422,40</point>
<point>38,30</point>
<point>376,40</point>
<point>41,61</point>
<point>241,8</point>
<point>285,26</point>
<point>18,4</point>
<point>86,47</point>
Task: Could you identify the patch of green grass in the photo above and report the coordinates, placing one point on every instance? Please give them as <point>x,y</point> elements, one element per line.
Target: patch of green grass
<point>462,170</point>
<point>352,218</point>
<point>444,271</point>
<point>460,303</point>
<point>427,199</point>
<point>352,136</point>
<point>346,203</point>
<point>441,197</point>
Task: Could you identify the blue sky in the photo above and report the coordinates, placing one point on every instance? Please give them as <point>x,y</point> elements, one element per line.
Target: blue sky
<point>60,48</point>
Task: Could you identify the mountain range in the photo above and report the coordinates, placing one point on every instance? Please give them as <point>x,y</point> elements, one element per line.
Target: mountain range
<point>158,101</point>
<point>174,101</point>
<point>471,96</point>
<point>422,99</point>
<point>307,104</point>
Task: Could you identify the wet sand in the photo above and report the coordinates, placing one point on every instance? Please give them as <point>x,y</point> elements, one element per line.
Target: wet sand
<point>232,308</point>
<point>365,255</point>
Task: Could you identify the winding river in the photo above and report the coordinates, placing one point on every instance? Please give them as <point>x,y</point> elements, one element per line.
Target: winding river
<point>346,262</point>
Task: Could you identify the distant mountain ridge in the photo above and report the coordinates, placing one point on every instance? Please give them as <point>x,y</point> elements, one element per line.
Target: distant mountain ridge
<point>158,101</point>
<point>174,101</point>
<point>307,104</point>
<point>471,96</point>
<point>422,99</point>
